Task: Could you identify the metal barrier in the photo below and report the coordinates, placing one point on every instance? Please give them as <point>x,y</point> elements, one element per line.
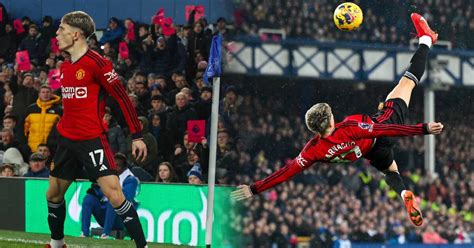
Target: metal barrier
<point>339,60</point>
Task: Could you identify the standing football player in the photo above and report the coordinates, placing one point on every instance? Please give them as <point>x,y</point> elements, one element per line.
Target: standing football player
<point>85,81</point>
<point>362,135</point>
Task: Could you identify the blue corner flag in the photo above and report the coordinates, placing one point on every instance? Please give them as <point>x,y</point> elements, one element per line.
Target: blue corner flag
<point>214,68</point>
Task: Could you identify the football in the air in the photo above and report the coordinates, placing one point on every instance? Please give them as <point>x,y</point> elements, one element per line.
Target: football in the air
<point>348,16</point>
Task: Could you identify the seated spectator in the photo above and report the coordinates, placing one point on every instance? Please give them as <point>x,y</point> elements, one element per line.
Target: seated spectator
<point>97,205</point>
<point>46,151</point>
<point>195,175</point>
<point>166,173</point>
<point>14,150</point>
<point>38,166</point>
<point>7,170</point>
<point>137,171</point>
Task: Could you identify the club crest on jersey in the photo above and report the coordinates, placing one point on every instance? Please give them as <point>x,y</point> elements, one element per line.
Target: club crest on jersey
<point>80,74</point>
<point>111,76</point>
<point>366,126</point>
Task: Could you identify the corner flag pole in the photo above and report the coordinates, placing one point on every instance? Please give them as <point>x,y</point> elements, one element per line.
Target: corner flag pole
<point>213,70</point>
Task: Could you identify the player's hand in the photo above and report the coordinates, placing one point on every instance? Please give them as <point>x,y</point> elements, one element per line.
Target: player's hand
<point>243,192</point>
<point>435,127</point>
<point>139,150</point>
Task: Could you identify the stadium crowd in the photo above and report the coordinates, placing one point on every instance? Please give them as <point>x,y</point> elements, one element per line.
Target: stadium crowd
<point>162,73</point>
<point>161,65</point>
<point>385,21</point>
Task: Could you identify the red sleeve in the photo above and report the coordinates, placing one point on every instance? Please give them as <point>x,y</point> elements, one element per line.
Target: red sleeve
<point>284,174</point>
<point>109,79</point>
<point>363,130</point>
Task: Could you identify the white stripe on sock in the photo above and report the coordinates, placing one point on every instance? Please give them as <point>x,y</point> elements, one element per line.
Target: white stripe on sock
<point>425,39</point>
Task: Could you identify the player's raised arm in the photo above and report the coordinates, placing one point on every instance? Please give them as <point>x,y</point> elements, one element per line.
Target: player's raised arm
<point>284,174</point>
<point>364,130</point>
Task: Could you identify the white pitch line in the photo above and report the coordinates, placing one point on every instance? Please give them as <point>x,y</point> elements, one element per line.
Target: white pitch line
<point>32,241</point>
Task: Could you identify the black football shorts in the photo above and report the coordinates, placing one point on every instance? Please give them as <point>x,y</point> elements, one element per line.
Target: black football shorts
<point>87,158</point>
<point>393,111</point>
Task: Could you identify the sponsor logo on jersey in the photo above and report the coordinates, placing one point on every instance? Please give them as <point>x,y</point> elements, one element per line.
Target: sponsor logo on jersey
<point>301,161</point>
<point>111,76</point>
<point>366,126</point>
<point>73,92</point>
<point>80,74</point>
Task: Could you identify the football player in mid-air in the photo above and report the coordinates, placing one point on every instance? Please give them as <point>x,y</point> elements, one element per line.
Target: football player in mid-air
<point>362,135</point>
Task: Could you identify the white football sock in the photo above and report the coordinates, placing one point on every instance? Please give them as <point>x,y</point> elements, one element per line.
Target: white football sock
<point>56,243</point>
<point>425,39</point>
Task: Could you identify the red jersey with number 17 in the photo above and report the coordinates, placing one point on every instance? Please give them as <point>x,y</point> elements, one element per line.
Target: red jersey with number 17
<point>84,87</point>
<point>352,138</point>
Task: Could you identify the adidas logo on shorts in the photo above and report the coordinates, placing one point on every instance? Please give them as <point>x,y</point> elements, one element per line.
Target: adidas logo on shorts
<point>103,168</point>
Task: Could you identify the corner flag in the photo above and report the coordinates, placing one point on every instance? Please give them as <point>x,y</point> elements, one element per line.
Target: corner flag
<point>214,67</point>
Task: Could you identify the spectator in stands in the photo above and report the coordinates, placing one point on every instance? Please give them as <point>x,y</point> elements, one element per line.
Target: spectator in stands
<point>45,151</point>
<point>178,118</point>
<point>163,55</point>
<point>97,205</point>
<point>159,107</point>
<point>8,44</point>
<point>149,164</point>
<point>14,152</point>
<point>41,118</point>
<point>48,31</point>
<point>231,103</point>
<point>204,104</point>
<point>115,134</point>
<point>137,171</point>
<point>113,34</point>
<point>221,28</point>
<point>38,166</point>
<point>10,122</point>
<point>166,173</point>
<point>24,94</point>
<point>143,94</point>
<point>136,104</point>
<point>195,175</point>
<point>34,44</point>
<point>7,170</point>
<point>161,135</point>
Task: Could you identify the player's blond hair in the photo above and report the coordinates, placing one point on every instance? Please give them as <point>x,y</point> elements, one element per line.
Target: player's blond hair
<point>81,20</point>
<point>318,117</point>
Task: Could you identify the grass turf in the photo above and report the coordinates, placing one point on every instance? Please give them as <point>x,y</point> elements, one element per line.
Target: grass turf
<point>27,240</point>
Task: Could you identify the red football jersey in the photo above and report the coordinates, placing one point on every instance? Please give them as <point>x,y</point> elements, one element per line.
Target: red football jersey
<point>351,139</point>
<point>84,87</point>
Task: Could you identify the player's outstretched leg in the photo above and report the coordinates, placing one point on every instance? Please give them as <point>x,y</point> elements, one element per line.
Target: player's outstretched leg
<point>412,76</point>
<point>395,181</point>
<point>110,186</point>
<point>56,210</point>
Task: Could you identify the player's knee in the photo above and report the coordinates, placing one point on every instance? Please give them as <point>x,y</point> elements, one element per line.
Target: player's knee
<point>114,195</point>
<point>54,196</point>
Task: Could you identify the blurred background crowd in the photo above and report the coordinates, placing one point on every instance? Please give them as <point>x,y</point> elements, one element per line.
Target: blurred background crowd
<point>385,21</point>
<point>260,121</point>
